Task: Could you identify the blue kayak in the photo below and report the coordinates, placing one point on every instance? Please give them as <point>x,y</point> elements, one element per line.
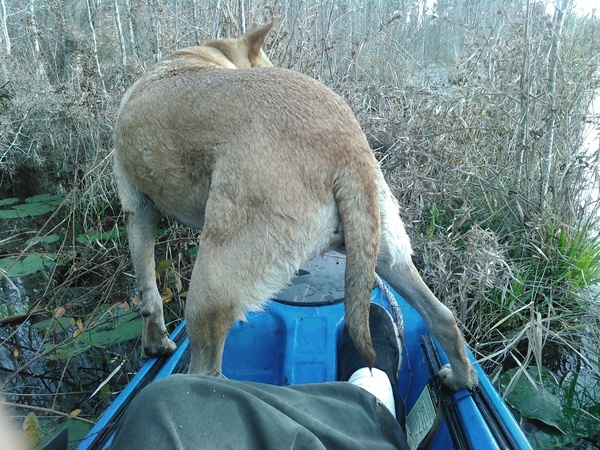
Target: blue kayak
<point>294,341</point>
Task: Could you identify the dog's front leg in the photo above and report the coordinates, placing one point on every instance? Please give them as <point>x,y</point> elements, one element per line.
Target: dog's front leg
<point>141,229</point>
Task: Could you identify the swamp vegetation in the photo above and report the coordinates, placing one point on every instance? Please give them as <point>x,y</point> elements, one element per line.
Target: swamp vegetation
<point>480,113</point>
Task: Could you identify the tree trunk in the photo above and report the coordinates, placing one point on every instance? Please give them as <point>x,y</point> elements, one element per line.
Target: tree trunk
<point>131,32</point>
<point>120,32</point>
<point>95,45</point>
<point>5,40</point>
<point>196,21</point>
<point>35,41</point>
<point>216,28</point>
<point>242,16</point>
<point>524,100</point>
<point>548,139</point>
<point>157,29</point>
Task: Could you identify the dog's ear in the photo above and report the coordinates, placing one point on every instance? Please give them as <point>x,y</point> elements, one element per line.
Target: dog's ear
<point>246,51</point>
<point>255,39</point>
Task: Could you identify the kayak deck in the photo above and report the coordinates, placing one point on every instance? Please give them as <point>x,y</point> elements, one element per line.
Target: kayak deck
<point>294,341</point>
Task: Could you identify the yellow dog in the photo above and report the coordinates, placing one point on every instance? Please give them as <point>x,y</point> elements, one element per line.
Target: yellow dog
<point>275,169</point>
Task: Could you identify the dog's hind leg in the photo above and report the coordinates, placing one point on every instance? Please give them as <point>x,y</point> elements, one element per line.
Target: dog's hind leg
<point>210,311</point>
<point>394,264</point>
<point>230,277</point>
<point>248,250</point>
<point>141,220</point>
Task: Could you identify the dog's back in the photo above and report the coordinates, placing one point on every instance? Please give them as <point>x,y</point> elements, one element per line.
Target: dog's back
<point>275,125</point>
<point>273,128</point>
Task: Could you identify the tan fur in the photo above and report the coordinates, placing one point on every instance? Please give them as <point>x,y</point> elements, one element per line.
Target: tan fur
<point>274,168</point>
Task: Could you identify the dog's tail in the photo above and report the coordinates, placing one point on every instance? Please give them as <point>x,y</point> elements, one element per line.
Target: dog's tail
<point>358,205</point>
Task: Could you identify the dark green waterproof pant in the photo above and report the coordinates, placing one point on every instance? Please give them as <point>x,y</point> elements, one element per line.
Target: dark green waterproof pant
<point>199,412</point>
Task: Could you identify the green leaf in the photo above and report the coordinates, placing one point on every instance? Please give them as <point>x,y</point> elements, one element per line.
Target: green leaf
<point>569,412</point>
<point>77,430</point>
<point>92,236</point>
<point>16,266</point>
<point>55,324</point>
<point>113,330</point>
<point>49,239</point>
<point>535,401</point>
<point>192,252</point>
<point>163,266</point>
<point>12,309</point>
<point>33,206</point>
<point>54,199</point>
<point>108,327</point>
<point>8,201</point>
<point>105,391</point>
<point>31,436</point>
<point>31,420</point>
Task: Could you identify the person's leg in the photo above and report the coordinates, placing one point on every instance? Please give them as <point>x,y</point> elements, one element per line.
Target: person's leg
<point>377,383</point>
<point>382,380</point>
<point>199,412</point>
<point>188,411</point>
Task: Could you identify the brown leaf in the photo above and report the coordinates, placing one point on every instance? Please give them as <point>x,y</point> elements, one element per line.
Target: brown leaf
<point>59,312</point>
<point>31,420</point>
<point>74,413</point>
<point>32,438</point>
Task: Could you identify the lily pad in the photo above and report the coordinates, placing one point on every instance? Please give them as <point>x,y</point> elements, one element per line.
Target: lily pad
<point>32,207</point>
<point>8,201</point>
<point>113,329</point>
<point>16,266</point>
<point>77,430</point>
<point>105,329</point>
<point>568,412</point>
<point>59,324</point>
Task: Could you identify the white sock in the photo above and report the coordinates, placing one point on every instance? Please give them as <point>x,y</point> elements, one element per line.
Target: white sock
<point>377,383</point>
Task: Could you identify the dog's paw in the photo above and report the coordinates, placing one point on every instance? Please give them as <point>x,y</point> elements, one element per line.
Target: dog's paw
<point>457,381</point>
<point>160,349</point>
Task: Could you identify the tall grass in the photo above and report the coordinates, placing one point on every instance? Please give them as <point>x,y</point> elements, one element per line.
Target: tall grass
<point>520,275</point>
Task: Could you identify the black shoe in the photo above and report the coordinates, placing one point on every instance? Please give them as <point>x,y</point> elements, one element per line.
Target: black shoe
<point>386,343</point>
<point>384,335</point>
